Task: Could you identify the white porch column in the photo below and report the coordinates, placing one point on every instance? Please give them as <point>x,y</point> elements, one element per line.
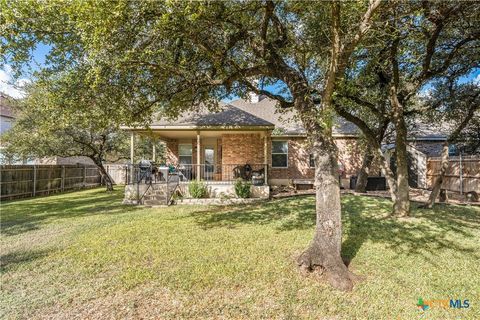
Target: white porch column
<point>132,142</point>
<point>132,169</point>
<point>154,150</point>
<point>265,156</point>
<point>198,156</point>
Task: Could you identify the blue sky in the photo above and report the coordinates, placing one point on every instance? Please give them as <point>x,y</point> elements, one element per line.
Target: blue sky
<point>12,86</point>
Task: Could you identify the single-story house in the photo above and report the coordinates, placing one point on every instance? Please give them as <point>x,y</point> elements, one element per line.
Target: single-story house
<point>252,133</point>
<point>212,146</point>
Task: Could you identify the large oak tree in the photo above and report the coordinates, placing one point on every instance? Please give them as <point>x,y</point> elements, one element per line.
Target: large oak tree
<point>175,56</point>
<point>423,42</point>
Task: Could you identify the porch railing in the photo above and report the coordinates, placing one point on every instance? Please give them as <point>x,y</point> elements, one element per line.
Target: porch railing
<point>221,173</point>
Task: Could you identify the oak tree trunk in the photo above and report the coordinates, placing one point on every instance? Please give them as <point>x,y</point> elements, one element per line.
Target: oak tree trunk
<point>387,171</point>
<point>103,172</point>
<point>325,248</point>
<point>402,203</point>
<point>362,177</point>
<point>439,180</point>
<point>401,206</point>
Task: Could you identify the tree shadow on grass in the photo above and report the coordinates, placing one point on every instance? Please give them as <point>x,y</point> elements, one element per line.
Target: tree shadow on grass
<point>20,216</point>
<point>14,259</point>
<point>422,234</point>
<point>287,214</point>
<point>364,219</point>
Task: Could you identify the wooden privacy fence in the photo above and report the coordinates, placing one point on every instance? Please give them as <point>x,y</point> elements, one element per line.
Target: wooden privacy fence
<point>117,172</point>
<point>20,181</point>
<point>463,173</point>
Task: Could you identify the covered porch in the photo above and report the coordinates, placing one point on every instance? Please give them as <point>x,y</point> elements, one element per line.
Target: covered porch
<point>212,156</point>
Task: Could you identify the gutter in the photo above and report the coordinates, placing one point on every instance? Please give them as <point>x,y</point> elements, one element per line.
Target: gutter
<point>194,128</point>
<point>338,135</point>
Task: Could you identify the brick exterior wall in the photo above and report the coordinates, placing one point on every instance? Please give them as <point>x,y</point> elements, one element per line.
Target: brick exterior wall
<point>248,148</point>
<point>298,161</point>
<point>349,154</point>
<point>242,148</point>
<point>171,151</point>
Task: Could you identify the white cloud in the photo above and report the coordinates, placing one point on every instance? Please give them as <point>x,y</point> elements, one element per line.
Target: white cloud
<point>9,86</point>
<point>426,93</point>
<point>477,80</point>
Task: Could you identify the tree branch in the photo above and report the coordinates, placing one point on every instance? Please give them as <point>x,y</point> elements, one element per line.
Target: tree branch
<point>372,107</point>
<point>471,111</point>
<point>283,102</point>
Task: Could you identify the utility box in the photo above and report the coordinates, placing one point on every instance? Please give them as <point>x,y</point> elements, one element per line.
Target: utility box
<point>373,183</point>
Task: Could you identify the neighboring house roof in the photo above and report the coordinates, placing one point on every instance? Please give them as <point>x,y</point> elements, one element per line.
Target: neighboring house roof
<point>437,131</point>
<point>5,109</point>
<point>227,117</point>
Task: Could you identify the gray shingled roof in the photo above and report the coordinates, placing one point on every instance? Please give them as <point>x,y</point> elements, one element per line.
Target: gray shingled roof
<point>5,109</point>
<point>422,130</point>
<point>264,113</point>
<point>286,121</point>
<point>227,116</point>
<point>242,113</point>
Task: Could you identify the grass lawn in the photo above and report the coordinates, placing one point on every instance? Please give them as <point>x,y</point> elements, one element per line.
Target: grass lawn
<point>85,255</point>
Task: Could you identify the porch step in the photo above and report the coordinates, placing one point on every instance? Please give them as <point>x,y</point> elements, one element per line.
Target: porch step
<point>155,197</point>
<point>155,202</point>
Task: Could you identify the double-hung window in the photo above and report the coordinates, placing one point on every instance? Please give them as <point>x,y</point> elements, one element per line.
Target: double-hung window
<point>280,154</point>
<point>185,153</point>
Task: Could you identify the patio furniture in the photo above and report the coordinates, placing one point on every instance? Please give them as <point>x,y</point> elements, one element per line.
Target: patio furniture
<point>244,172</point>
<point>258,177</point>
<point>163,173</point>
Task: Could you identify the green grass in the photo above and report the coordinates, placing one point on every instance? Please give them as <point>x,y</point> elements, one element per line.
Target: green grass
<point>84,255</point>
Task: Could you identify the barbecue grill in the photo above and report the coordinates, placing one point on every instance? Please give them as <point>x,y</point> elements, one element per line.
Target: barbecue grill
<point>144,171</point>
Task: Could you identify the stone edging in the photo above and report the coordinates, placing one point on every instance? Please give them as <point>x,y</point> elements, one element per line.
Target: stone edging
<point>218,201</point>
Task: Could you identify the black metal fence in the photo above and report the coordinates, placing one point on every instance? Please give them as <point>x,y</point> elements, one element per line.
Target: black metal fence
<point>224,173</point>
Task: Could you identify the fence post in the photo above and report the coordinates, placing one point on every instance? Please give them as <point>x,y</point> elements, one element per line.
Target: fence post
<point>34,180</point>
<point>63,178</point>
<point>84,175</point>
<point>461,175</point>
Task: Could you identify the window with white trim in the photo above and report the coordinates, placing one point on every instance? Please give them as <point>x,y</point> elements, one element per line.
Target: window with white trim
<point>279,154</point>
<point>185,153</point>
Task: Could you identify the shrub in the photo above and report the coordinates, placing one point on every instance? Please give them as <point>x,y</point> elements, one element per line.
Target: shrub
<point>242,188</point>
<point>197,189</point>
